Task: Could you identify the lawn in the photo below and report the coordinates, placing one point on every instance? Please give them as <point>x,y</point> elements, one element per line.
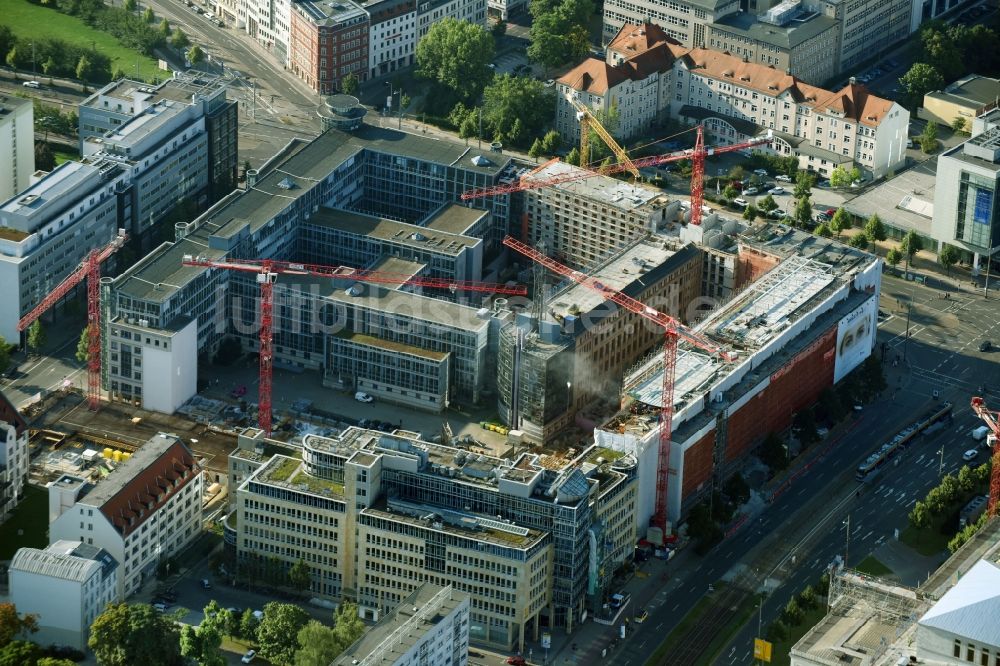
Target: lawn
<point>779,653</point>
<point>28,524</point>
<point>30,21</point>
<point>873,567</point>
<point>65,156</point>
<point>928,541</point>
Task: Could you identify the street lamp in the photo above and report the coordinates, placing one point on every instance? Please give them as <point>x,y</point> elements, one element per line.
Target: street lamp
<point>388,105</point>
<point>941,464</point>
<point>847,538</point>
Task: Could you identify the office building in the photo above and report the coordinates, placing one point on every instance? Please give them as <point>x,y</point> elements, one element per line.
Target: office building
<point>959,627</point>
<point>685,21</point>
<point>356,199</point>
<point>967,98</point>
<point>585,221</point>
<point>13,457</point>
<point>430,12</point>
<point>146,510</point>
<point>965,205</point>
<point>796,330</point>
<point>868,28</point>
<point>430,626</point>
<point>738,100</point>
<point>329,41</point>
<point>268,22</point>
<point>377,515</point>
<point>392,41</point>
<point>578,351</point>
<point>17,145</point>
<point>806,48</point>
<point>48,229</point>
<point>502,10</point>
<point>66,586</point>
<point>176,141</point>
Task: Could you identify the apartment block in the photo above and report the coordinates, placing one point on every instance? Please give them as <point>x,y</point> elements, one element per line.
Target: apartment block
<point>355,199</point>
<point>584,222</point>
<point>392,41</point>
<point>551,368</point>
<point>685,21</point>
<point>376,516</point>
<point>268,22</point>
<point>431,625</point>
<point>66,585</point>
<point>177,140</point>
<point>13,457</point>
<point>737,100</point>
<point>966,197</point>
<point>48,229</point>
<point>502,10</point>
<point>328,42</point>
<point>17,145</point>
<point>430,12</point>
<point>147,509</point>
<point>152,367</point>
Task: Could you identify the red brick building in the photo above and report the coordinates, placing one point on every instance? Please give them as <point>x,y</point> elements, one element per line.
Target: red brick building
<point>329,40</point>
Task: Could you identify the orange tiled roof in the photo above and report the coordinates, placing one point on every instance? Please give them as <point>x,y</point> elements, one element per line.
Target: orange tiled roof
<point>634,39</point>
<point>593,76</point>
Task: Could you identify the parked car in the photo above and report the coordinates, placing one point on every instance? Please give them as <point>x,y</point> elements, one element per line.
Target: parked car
<point>750,191</point>
<point>550,83</point>
<point>205,585</point>
<point>985,346</point>
<point>239,391</point>
<point>32,84</point>
<point>777,213</point>
<point>516,660</point>
<point>777,189</point>
<point>783,178</point>
<point>361,396</point>
<point>761,172</point>
<point>160,607</point>
<point>971,454</point>
<point>641,616</point>
<point>740,202</point>
<point>249,656</point>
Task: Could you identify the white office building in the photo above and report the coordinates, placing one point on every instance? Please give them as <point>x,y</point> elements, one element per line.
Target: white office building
<point>148,509</point>
<point>66,585</point>
<point>13,457</point>
<point>431,626</point>
<point>17,145</point>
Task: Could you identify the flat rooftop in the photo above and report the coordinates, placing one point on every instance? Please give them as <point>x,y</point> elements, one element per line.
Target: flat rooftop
<point>391,346</point>
<point>905,202</point>
<point>786,36</point>
<point>296,171</point>
<point>48,194</point>
<point>144,123</point>
<point>631,265</point>
<point>973,90</point>
<point>369,226</point>
<point>329,13</point>
<point>389,264</point>
<point>180,88</point>
<point>603,189</point>
<point>396,633</point>
<point>454,218</point>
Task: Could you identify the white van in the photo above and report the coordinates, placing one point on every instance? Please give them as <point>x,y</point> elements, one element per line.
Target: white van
<point>979,434</point>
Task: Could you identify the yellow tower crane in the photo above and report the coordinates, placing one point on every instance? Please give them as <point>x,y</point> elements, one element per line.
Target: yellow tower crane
<point>589,121</point>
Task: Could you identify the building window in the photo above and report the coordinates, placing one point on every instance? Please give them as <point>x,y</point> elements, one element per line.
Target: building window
<point>970,652</point>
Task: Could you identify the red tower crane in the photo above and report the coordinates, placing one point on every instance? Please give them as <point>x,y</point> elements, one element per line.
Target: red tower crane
<point>697,156</point>
<point>267,272</point>
<point>673,330</point>
<point>91,270</point>
<point>992,420</point>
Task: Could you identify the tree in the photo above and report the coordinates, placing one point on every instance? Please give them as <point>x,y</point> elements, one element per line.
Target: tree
<point>773,452</point>
<point>841,222</point>
<point>730,193</point>
<point>148,16</point>
<point>804,182</point>
<point>347,623</point>
<point>920,80</point>
<point>536,149</point>
<point>767,204</point>
<point>84,68</point>
<point>750,213</point>
<point>966,479</point>
<point>948,257</point>
<point>36,335</point>
<point>53,661</point>
<point>278,632</point>
<point>468,129</point>
<point>128,634</point>
<point>44,158</point>
<point>803,212</point>
<point>19,653</point>
<point>130,5</point>
<point>823,231</point>
<point>12,60</point>
<point>792,614</point>
<point>928,138</point>
<point>456,55</point>
<point>736,173</point>
<point>201,644</point>
<point>551,142</point>
<point>318,645</point>
<point>516,107</point>
<point>942,53</point>
<point>13,624</point>
<point>777,631</point>
<point>573,157</point>
<point>350,85</point>
<point>610,120</point>
<point>195,55</point>
<point>958,125</point>
<point>911,244</point>
<point>49,66</point>
<point>874,229</point>
<point>178,39</point>
<point>840,177</point>
<point>920,517</point>
<point>499,29</point>
<point>249,624</point>
<point>547,46</point>
<point>860,241</point>
<point>299,576</point>
<point>164,29</point>
<point>737,488</point>
<point>4,354</point>
<point>893,257</point>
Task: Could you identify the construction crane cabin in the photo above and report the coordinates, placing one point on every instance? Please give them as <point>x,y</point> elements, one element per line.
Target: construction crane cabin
<point>992,420</point>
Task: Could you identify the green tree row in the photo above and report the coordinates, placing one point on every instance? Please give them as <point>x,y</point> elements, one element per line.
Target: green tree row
<point>558,31</point>
<point>947,53</point>
<point>54,57</point>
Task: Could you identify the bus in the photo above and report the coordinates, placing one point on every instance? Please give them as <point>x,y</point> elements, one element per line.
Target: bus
<point>874,463</point>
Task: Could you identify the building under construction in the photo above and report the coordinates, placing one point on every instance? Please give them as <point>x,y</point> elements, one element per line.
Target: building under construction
<point>796,330</point>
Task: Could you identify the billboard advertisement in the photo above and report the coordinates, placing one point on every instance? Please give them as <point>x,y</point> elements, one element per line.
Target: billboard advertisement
<point>983,208</point>
<point>855,338</point>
